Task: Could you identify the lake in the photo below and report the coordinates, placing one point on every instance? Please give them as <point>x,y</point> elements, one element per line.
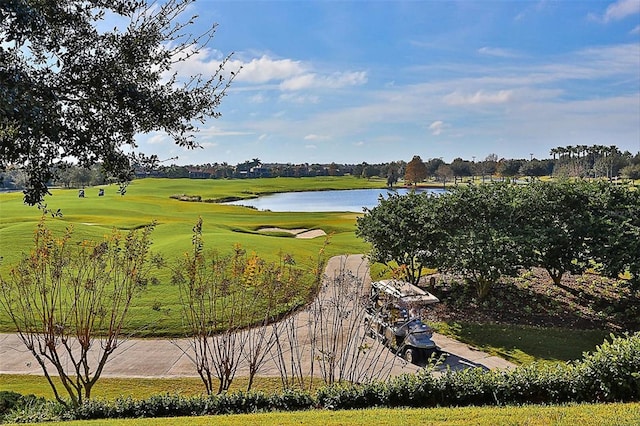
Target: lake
<point>352,200</point>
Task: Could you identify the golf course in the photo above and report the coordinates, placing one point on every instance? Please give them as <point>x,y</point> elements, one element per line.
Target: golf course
<point>156,312</point>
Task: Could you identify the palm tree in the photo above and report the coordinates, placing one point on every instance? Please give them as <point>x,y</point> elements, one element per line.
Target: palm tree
<point>562,152</point>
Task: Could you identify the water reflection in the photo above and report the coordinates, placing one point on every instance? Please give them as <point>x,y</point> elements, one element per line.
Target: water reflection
<point>353,200</point>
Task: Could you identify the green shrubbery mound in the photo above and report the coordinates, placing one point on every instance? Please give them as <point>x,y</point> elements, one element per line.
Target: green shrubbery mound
<point>610,374</point>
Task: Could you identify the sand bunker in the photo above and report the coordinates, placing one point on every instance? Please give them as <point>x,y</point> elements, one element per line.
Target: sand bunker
<point>299,233</point>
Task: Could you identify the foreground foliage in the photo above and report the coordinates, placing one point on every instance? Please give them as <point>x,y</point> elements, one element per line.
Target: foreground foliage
<point>222,294</point>
<point>69,302</point>
<point>610,374</point>
<point>62,77</point>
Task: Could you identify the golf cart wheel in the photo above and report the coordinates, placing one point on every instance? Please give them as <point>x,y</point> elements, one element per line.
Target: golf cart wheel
<point>410,355</point>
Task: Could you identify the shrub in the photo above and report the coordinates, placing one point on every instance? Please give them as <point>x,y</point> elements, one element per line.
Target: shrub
<point>612,372</point>
<point>473,386</point>
<point>536,384</point>
<point>31,409</point>
<point>8,400</point>
<point>291,400</point>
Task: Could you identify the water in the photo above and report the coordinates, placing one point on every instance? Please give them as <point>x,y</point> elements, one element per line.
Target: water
<point>352,200</point>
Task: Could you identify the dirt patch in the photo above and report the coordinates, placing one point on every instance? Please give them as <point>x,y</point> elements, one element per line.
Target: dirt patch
<point>587,301</point>
<point>299,233</point>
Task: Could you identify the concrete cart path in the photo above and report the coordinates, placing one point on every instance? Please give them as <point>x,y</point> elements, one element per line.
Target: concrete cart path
<point>171,358</point>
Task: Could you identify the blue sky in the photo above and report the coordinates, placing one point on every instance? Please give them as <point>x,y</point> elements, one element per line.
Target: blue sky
<point>379,81</point>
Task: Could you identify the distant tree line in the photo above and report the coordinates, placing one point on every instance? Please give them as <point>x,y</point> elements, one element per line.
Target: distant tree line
<point>484,232</point>
<point>572,161</point>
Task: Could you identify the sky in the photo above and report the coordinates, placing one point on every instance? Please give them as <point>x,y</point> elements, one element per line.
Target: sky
<point>380,81</point>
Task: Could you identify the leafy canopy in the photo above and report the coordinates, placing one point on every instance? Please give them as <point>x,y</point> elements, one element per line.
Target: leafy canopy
<point>70,91</point>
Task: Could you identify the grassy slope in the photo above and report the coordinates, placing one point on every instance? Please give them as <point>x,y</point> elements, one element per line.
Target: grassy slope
<point>149,200</point>
<point>524,344</point>
<point>587,414</point>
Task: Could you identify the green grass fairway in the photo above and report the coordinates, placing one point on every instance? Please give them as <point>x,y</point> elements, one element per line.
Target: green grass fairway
<point>148,200</point>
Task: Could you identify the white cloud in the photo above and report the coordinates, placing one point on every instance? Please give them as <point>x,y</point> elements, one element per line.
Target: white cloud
<point>621,9</point>
<point>258,98</point>
<point>498,52</point>
<point>159,138</point>
<point>635,31</point>
<point>311,147</point>
<point>436,127</point>
<point>617,11</point>
<point>265,69</point>
<point>314,137</point>
<point>299,99</point>
<point>298,82</point>
<point>478,98</point>
<point>214,131</point>
<point>333,81</point>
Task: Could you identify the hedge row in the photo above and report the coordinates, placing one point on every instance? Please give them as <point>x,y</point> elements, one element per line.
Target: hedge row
<point>610,374</point>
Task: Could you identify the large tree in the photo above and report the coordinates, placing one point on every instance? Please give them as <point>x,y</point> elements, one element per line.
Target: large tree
<point>404,232</point>
<point>483,229</point>
<point>615,231</point>
<point>416,171</point>
<point>70,91</point>
<point>559,227</point>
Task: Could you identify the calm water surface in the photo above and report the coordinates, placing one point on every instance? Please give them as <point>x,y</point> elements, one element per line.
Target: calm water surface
<point>352,200</point>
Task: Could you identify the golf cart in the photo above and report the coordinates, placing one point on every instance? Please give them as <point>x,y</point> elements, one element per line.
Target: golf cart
<point>393,317</point>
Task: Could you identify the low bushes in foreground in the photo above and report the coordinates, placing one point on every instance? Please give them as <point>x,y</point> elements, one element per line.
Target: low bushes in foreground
<point>609,374</point>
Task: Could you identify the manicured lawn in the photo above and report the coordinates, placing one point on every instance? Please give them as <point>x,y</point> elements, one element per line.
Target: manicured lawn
<point>138,388</point>
<point>157,310</point>
<point>525,344</point>
<point>571,415</point>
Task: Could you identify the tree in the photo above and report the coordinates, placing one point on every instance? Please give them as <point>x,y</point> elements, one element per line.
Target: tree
<point>392,174</point>
<point>460,168</point>
<point>416,171</point>
<point>615,231</point>
<point>631,172</point>
<point>404,233</point>
<point>432,166</point>
<point>223,293</point>
<point>536,168</point>
<point>557,232</point>
<point>69,302</point>
<point>509,168</point>
<point>489,165</point>
<point>482,229</point>
<point>444,173</point>
<point>69,90</point>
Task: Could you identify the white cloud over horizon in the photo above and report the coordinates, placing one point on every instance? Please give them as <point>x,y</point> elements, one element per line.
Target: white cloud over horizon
<point>473,82</point>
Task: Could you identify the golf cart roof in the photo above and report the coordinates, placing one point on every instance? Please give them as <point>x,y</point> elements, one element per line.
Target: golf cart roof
<point>405,292</point>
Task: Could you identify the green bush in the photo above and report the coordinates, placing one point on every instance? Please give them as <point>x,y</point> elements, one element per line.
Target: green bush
<point>8,400</point>
<point>610,374</point>
<point>474,386</point>
<point>31,409</point>
<point>537,384</point>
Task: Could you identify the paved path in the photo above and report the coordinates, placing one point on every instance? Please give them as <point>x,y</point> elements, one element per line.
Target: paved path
<point>168,358</point>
